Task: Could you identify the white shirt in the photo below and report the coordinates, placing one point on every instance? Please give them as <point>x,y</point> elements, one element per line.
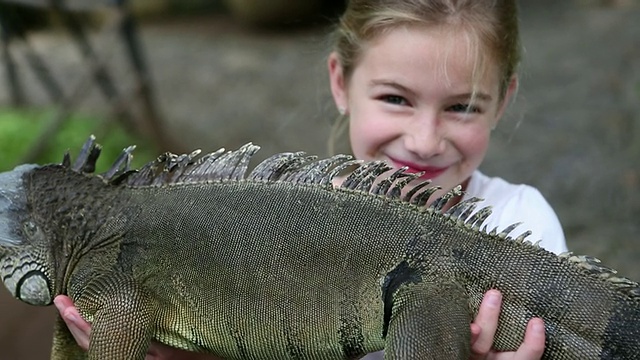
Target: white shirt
<point>512,204</point>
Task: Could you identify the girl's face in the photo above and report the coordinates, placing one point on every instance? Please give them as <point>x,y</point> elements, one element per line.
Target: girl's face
<point>409,100</point>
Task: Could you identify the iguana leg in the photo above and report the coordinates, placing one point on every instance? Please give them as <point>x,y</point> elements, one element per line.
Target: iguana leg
<point>122,315</point>
<point>429,321</point>
<point>64,345</point>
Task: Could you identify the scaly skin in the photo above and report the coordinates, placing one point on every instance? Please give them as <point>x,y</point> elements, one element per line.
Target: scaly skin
<point>198,255</point>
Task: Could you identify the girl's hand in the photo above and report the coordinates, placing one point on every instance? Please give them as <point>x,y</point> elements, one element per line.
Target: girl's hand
<point>81,329</point>
<point>484,328</point>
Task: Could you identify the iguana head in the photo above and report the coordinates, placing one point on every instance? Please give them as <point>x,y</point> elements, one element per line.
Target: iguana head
<point>50,215</point>
<point>24,262</point>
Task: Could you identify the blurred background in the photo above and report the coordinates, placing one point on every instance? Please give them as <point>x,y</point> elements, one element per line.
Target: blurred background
<point>184,74</point>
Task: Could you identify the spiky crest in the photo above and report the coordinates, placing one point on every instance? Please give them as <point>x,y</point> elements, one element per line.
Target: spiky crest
<point>368,177</point>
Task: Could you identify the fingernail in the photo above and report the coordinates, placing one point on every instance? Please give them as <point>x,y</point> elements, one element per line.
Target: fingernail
<point>538,327</point>
<point>494,298</point>
<point>72,318</point>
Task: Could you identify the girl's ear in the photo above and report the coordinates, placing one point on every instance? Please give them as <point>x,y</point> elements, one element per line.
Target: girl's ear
<point>337,82</point>
<point>512,88</point>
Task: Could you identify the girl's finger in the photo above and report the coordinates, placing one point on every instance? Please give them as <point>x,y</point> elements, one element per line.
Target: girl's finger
<point>79,328</point>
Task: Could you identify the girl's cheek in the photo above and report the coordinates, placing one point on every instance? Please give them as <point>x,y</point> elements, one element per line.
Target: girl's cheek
<point>378,133</point>
<point>472,140</point>
<point>368,137</point>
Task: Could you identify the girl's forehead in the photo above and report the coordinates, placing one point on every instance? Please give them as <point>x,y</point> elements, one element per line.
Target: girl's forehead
<point>444,54</point>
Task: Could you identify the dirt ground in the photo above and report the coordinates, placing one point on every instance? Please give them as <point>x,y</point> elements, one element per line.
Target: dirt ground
<point>573,132</point>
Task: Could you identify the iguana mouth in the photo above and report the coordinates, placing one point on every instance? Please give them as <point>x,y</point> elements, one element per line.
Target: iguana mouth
<point>11,196</point>
<point>5,240</point>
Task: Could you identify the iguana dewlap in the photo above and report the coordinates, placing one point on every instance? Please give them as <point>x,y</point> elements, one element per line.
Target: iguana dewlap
<point>278,264</point>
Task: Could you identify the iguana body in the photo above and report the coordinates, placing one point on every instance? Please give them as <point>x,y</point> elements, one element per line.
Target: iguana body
<point>279,264</point>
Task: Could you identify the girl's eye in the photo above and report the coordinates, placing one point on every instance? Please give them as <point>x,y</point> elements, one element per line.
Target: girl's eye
<point>394,99</point>
<point>464,108</point>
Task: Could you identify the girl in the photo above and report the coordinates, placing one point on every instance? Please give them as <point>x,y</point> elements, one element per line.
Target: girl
<point>423,83</point>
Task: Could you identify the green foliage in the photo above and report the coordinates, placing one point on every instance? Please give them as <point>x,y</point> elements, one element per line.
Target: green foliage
<point>19,129</point>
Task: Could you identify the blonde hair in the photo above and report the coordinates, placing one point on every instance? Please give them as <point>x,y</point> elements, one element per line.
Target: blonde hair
<point>491,26</point>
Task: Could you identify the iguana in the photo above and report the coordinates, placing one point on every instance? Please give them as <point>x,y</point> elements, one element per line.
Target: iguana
<point>193,252</point>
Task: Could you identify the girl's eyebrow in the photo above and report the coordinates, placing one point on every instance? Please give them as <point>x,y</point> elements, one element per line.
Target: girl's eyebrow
<point>391,83</point>
<point>477,96</point>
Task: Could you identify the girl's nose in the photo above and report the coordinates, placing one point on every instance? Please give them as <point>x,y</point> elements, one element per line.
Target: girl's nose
<point>425,139</point>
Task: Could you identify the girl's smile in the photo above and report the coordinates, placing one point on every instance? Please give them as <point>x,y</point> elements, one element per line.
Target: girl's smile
<point>430,172</point>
